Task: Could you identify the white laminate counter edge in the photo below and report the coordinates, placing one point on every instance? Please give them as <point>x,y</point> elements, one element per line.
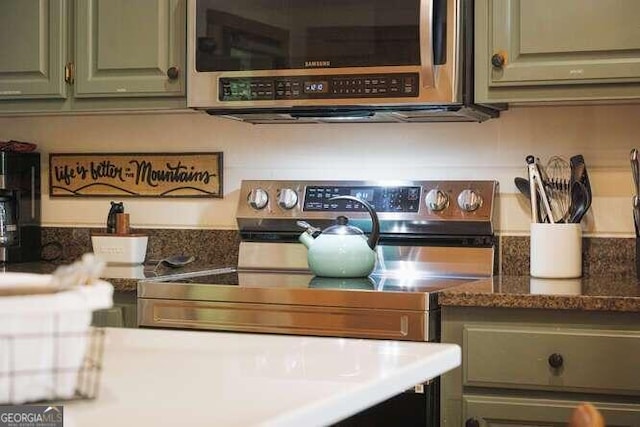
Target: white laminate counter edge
<point>154,377</point>
<point>341,406</point>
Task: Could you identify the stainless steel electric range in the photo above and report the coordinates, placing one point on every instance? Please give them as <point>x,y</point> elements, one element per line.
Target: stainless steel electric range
<point>434,235</point>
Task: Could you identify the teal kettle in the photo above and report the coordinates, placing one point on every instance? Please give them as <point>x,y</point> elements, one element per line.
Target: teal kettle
<point>342,250</point>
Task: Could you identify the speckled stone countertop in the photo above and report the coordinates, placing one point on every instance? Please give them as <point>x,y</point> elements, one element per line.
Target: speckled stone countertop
<point>211,249</point>
<point>608,266</point>
<point>115,274</point>
<point>602,293</point>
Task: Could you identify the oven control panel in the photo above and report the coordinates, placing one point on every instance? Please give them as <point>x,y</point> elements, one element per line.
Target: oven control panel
<point>404,207</point>
<point>317,198</point>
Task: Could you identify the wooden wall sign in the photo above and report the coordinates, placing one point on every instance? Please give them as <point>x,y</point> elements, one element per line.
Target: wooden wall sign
<point>136,175</point>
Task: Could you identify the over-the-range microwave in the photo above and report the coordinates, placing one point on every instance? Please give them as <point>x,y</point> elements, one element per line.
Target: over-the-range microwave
<point>300,61</point>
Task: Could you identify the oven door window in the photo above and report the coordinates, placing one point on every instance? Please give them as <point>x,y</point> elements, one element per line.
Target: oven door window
<point>244,35</point>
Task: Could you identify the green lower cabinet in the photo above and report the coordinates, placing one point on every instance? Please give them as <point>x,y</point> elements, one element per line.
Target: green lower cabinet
<point>123,314</point>
<point>494,411</point>
<point>532,367</point>
<point>108,317</point>
<point>521,357</point>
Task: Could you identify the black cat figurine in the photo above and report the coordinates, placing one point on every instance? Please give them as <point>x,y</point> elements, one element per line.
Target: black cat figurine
<point>116,208</point>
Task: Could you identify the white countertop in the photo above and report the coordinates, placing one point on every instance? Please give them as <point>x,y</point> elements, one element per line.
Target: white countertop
<point>168,378</point>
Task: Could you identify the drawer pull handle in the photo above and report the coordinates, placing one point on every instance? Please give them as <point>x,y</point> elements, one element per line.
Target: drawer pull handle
<point>555,360</point>
<point>472,422</point>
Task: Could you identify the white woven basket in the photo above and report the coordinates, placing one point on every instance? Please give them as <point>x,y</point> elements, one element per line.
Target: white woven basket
<point>43,337</point>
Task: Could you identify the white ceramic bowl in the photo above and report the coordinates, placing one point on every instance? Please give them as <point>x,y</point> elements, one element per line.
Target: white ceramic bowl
<point>116,249</point>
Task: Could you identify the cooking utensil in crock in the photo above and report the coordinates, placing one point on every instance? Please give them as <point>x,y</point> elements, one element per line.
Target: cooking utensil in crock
<point>342,250</point>
<point>579,202</point>
<point>522,184</point>
<point>636,214</point>
<point>557,177</point>
<point>579,173</point>
<point>635,169</point>
<point>538,191</point>
<point>636,224</point>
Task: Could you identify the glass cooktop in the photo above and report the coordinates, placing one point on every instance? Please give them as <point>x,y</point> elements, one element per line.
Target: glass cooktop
<point>377,281</point>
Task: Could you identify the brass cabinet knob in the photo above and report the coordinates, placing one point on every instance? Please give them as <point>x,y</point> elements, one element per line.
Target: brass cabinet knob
<point>498,60</point>
<point>173,73</point>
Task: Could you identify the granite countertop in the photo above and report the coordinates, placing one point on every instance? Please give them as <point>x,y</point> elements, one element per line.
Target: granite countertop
<point>168,378</point>
<point>601,293</point>
<point>124,278</point>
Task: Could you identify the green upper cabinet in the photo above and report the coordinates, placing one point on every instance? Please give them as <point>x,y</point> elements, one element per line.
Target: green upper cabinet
<point>549,50</point>
<point>130,48</point>
<point>32,48</point>
<point>92,55</point>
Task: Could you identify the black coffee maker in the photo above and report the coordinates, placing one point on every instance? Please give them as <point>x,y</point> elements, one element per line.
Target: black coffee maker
<point>20,239</point>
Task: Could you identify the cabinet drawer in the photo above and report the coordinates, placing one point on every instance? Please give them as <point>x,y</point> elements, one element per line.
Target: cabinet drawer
<point>498,411</point>
<point>585,360</point>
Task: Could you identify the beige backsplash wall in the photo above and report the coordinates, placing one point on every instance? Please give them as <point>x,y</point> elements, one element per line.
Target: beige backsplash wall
<point>492,150</point>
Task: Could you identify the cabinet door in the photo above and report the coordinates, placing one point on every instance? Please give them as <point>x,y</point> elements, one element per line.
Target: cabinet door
<point>130,48</point>
<point>496,411</point>
<point>32,49</point>
<point>111,317</point>
<point>583,49</point>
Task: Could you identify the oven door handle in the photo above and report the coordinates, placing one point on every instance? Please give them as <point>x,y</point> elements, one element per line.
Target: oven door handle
<point>427,66</point>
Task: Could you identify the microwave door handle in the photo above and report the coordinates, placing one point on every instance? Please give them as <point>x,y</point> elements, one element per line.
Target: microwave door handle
<point>344,115</point>
<point>427,67</point>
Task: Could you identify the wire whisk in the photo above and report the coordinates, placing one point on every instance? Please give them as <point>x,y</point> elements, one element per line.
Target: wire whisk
<point>557,180</point>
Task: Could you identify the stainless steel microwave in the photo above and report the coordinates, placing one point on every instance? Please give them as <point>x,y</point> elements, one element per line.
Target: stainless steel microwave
<point>327,60</point>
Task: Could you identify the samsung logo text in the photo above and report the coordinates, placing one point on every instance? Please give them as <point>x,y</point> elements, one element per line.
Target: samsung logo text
<point>317,63</point>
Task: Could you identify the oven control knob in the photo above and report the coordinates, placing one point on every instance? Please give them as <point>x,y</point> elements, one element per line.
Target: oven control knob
<point>469,200</point>
<point>436,200</point>
<point>258,198</point>
<point>287,198</point>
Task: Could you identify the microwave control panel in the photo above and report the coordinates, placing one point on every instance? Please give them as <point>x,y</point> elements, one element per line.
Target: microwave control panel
<point>319,87</point>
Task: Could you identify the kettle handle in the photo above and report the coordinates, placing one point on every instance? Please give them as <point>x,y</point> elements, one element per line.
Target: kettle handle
<point>372,241</point>
<point>310,228</point>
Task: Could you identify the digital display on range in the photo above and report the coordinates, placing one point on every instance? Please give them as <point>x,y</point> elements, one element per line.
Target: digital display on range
<point>383,199</point>
<point>316,87</point>
<point>365,194</point>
